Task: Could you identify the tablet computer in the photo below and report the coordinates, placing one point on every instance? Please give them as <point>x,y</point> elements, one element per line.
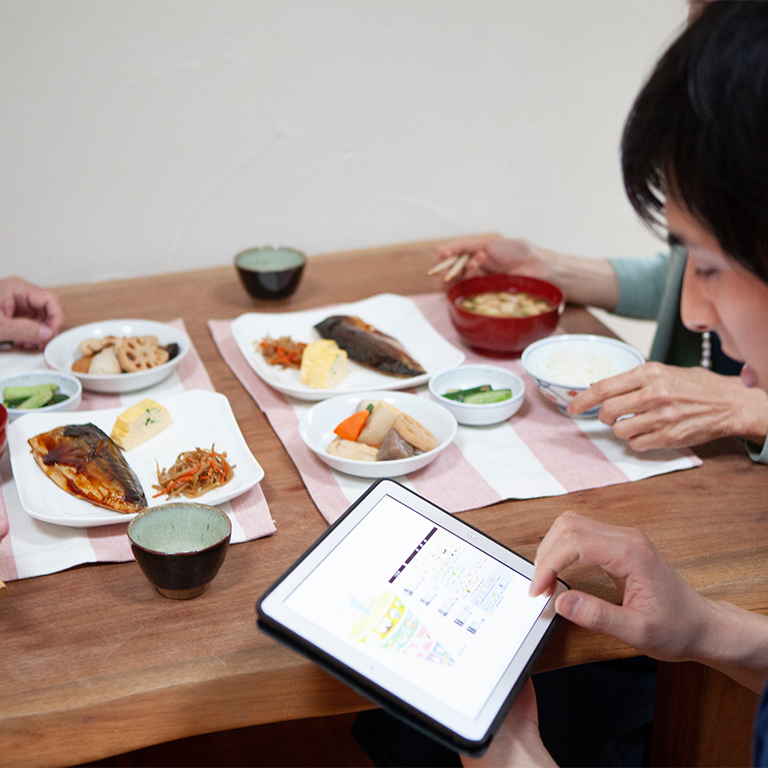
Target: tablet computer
<point>417,610</point>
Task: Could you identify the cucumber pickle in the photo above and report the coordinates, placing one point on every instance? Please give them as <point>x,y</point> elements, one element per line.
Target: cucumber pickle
<point>479,395</point>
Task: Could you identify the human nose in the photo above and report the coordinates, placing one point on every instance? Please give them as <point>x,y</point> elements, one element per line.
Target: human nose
<point>696,308</point>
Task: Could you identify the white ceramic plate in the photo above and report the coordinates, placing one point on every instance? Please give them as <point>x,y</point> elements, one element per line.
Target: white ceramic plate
<point>317,425</point>
<point>394,315</point>
<point>199,418</point>
<point>61,351</point>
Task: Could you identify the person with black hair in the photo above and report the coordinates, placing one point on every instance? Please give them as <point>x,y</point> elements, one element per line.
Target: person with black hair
<point>687,394</point>
<point>695,167</point>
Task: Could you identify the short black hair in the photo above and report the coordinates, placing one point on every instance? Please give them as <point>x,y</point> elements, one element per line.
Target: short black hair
<point>699,128</point>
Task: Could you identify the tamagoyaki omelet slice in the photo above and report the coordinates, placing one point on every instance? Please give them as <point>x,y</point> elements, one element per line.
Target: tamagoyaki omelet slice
<point>323,364</point>
<point>140,422</point>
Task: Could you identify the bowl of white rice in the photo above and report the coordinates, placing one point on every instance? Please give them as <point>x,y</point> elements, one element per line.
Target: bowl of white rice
<point>562,366</point>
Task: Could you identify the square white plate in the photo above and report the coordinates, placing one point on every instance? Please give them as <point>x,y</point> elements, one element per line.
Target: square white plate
<point>394,315</point>
<point>199,418</point>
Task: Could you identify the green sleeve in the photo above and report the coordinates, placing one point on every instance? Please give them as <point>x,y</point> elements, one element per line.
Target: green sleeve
<point>642,281</point>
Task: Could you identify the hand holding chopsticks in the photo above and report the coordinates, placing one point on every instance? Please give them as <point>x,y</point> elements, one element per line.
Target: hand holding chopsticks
<point>454,266</point>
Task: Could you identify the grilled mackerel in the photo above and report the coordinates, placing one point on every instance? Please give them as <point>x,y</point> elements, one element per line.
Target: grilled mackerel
<point>368,346</point>
<point>84,461</point>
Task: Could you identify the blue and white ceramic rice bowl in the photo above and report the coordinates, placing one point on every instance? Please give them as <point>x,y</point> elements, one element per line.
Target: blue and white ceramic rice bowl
<point>562,366</point>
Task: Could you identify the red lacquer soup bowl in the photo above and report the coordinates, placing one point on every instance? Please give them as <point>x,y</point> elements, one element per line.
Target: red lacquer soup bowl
<point>503,336</point>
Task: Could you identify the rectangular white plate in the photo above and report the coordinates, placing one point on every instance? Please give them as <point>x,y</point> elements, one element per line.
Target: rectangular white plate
<point>199,418</point>
<point>394,315</point>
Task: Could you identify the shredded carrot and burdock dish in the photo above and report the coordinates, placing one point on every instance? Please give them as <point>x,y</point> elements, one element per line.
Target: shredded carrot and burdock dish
<point>283,351</point>
<point>194,473</point>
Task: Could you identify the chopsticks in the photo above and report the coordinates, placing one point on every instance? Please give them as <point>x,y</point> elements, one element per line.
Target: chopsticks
<point>454,265</point>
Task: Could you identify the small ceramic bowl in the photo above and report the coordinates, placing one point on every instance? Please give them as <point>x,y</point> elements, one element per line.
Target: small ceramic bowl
<point>503,336</point>
<point>272,272</point>
<point>466,376</point>
<point>563,366</point>
<point>3,428</point>
<point>68,385</point>
<point>180,546</point>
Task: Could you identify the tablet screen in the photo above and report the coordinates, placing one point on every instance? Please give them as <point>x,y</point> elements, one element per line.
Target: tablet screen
<point>424,606</point>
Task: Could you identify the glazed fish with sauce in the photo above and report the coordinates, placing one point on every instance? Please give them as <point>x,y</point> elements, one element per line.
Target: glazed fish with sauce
<point>368,346</point>
<point>85,462</point>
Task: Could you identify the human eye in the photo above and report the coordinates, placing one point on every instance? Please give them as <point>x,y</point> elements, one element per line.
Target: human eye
<point>706,273</point>
<point>704,269</point>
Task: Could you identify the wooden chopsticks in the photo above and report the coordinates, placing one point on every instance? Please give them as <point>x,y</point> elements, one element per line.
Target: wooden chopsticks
<point>454,266</point>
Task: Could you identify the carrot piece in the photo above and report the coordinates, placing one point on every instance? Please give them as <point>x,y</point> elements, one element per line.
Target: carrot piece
<point>352,426</point>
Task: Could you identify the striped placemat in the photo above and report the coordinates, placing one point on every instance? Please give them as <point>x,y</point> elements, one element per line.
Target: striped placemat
<point>35,548</point>
<point>538,452</point>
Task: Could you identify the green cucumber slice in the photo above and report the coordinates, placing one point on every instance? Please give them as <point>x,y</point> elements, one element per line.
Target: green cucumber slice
<point>494,396</point>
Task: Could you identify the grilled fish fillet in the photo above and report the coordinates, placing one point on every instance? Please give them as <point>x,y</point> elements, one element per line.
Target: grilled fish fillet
<point>368,346</point>
<point>84,461</point>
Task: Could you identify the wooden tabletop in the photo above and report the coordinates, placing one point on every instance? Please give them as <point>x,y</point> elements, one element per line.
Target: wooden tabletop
<point>95,662</point>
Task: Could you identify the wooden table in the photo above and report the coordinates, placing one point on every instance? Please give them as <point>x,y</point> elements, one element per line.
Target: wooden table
<point>94,662</point>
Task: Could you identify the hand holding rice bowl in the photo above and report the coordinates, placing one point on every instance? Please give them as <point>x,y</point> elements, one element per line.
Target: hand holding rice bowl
<point>562,366</point>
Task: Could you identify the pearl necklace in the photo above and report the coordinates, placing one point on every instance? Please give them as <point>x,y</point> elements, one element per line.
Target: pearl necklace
<point>706,350</point>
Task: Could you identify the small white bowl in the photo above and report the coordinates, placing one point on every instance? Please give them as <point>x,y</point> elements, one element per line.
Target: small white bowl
<point>317,425</point>
<point>68,385</point>
<point>620,357</point>
<point>466,376</point>
<point>62,350</point>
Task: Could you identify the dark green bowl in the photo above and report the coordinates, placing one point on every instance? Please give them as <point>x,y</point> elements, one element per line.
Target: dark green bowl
<point>272,272</point>
<point>180,546</point>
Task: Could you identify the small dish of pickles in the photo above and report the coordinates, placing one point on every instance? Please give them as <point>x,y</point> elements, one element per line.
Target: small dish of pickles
<point>478,395</point>
<point>40,391</point>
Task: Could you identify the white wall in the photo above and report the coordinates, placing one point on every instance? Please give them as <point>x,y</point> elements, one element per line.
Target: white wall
<point>143,136</point>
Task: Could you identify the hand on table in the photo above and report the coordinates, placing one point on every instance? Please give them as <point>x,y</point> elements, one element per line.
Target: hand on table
<point>517,742</point>
<point>30,316</point>
<point>675,407</point>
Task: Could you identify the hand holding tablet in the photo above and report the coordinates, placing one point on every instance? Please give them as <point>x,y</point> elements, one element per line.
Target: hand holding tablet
<point>417,610</point>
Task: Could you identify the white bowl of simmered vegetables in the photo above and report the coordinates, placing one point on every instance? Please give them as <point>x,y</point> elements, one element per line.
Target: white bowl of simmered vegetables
<point>40,392</point>
<point>478,395</point>
<point>377,434</point>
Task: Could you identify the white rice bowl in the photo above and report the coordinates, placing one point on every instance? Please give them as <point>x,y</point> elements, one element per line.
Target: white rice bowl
<point>562,366</point>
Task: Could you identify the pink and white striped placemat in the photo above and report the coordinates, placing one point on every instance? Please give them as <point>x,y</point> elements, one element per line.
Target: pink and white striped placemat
<point>538,452</point>
<point>35,548</point>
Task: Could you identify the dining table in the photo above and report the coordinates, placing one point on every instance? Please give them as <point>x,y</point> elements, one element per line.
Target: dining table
<point>94,662</point>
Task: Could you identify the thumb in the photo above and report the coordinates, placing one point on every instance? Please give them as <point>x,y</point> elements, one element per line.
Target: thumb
<point>24,332</point>
<point>588,611</point>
